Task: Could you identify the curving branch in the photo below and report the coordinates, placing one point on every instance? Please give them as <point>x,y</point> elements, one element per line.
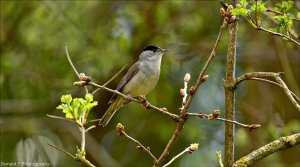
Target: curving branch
<point>73,67</point>
<point>279,82</point>
<point>275,146</point>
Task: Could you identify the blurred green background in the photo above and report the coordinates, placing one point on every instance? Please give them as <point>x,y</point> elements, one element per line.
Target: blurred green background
<point>103,36</point>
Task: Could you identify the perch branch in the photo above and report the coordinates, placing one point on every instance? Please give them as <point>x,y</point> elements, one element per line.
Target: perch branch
<point>148,105</point>
<point>277,145</point>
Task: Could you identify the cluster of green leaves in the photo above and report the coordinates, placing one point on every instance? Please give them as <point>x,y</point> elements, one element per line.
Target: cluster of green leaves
<point>78,108</point>
<point>283,18</point>
<point>245,8</point>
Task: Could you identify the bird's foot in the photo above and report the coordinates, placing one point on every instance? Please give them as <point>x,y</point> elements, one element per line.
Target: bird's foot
<point>128,98</point>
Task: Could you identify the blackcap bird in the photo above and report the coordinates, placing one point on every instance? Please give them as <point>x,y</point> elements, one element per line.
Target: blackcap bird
<point>140,79</point>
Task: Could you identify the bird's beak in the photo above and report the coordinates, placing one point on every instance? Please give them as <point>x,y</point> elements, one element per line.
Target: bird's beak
<point>165,50</point>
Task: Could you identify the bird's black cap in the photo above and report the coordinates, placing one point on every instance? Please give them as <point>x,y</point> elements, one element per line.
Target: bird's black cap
<point>151,48</point>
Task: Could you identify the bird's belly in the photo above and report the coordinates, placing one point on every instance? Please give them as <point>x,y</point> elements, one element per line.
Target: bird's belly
<point>141,84</point>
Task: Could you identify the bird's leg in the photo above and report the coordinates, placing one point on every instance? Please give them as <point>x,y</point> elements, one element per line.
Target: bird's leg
<point>128,97</point>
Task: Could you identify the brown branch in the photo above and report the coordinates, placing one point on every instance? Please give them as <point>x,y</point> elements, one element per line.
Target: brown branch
<point>287,92</point>
<point>278,34</point>
<point>215,116</point>
<point>182,119</point>
<point>111,79</point>
<point>229,93</point>
<point>248,76</point>
<point>281,144</point>
<point>120,131</point>
<point>254,25</point>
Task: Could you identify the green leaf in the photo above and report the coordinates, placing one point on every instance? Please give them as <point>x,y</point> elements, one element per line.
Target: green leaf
<point>260,7</point>
<point>244,3</point>
<point>65,109</point>
<point>66,99</point>
<point>283,6</point>
<point>89,106</point>
<point>78,105</point>
<point>89,97</point>
<point>239,11</point>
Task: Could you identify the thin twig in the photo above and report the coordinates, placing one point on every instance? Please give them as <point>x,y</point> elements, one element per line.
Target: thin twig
<point>70,61</point>
<point>211,117</point>
<point>111,79</point>
<point>62,118</point>
<point>278,13</point>
<point>281,144</point>
<point>146,150</point>
<point>182,121</point>
<point>278,34</point>
<point>72,65</point>
<point>62,150</point>
<point>91,121</point>
<point>89,128</point>
<point>193,147</point>
<point>177,156</point>
<point>252,23</point>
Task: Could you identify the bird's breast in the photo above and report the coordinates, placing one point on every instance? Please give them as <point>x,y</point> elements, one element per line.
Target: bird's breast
<point>143,81</point>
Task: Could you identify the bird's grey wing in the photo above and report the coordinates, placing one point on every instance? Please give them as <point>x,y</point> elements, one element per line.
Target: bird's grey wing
<point>130,73</point>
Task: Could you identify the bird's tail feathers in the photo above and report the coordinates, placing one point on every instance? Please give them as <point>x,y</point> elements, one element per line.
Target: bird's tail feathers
<point>116,105</point>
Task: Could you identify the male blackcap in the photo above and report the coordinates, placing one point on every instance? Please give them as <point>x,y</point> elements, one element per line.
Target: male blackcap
<point>140,79</point>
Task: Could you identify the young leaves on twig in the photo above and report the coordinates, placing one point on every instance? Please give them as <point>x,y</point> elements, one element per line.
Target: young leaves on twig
<point>78,108</point>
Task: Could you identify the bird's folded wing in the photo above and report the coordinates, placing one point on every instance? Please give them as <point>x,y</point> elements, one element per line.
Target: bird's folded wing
<point>129,75</point>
